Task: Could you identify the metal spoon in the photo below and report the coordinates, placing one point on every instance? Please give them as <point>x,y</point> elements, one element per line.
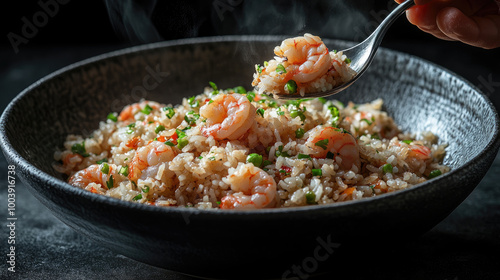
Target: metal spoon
<point>361,55</point>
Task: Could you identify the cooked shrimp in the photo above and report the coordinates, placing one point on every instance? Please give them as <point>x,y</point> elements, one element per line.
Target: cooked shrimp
<point>148,159</point>
<point>308,56</point>
<point>229,116</point>
<point>98,174</point>
<point>337,141</point>
<point>129,111</point>
<point>253,186</point>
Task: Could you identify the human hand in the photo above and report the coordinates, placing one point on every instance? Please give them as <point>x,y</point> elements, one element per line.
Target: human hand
<point>473,22</point>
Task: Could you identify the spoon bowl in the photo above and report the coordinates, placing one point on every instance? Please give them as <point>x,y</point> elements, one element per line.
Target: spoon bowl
<point>361,55</point>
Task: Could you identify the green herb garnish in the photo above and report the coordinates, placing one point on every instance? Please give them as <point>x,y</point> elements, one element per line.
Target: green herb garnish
<point>110,182</point>
<point>387,168</point>
<point>434,173</point>
<point>299,133</point>
<point>291,87</point>
<point>113,117</point>
<point>105,168</point>
<point>310,197</point>
<point>280,69</point>
<point>240,89</point>
<point>137,197</point>
<point>147,110</point>
<point>302,156</point>
<point>169,112</point>
<point>322,143</point>
<point>123,171</point>
<point>255,159</point>
<point>260,112</point>
<point>181,143</point>
<point>80,149</point>
<point>159,128</point>
<point>317,172</point>
<point>102,160</point>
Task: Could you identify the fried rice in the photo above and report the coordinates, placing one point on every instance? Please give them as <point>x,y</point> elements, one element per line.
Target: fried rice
<point>186,155</point>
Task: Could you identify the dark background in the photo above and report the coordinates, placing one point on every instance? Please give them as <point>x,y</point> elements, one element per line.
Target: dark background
<point>464,246</point>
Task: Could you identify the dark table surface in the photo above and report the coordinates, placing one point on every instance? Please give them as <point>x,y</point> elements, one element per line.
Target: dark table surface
<point>466,245</point>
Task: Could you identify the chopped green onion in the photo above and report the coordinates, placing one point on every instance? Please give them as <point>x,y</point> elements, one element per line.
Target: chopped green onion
<point>280,153</point>
<point>105,168</point>
<point>266,162</point>
<point>434,173</point>
<point>80,149</point>
<point>291,86</point>
<point>268,148</point>
<point>159,128</point>
<point>310,197</point>
<point>147,109</point>
<point>322,143</point>
<point>102,160</point>
<point>145,190</point>
<point>407,141</point>
<point>260,112</point>
<point>193,103</point>
<point>180,133</point>
<point>299,133</point>
<point>366,121</point>
<point>250,96</point>
<point>302,156</point>
<point>169,143</point>
<point>181,143</point>
<point>113,117</point>
<point>280,69</point>
<point>240,89</point>
<point>317,172</point>
<point>212,158</point>
<point>298,113</point>
<point>200,157</point>
<point>255,159</point>
<point>213,85</point>
<point>123,171</point>
<point>191,120</point>
<point>170,112</point>
<point>137,197</point>
<point>387,168</point>
<point>110,182</point>
<point>266,63</point>
<point>130,129</point>
<point>334,51</point>
<point>259,68</point>
<point>272,104</point>
<point>347,60</point>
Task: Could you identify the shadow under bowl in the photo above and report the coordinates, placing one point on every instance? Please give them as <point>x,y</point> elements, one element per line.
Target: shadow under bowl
<point>419,95</point>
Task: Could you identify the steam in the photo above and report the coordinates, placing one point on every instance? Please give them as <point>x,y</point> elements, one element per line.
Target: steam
<point>131,20</point>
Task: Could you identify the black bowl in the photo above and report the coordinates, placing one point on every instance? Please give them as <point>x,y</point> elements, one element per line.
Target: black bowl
<point>282,242</point>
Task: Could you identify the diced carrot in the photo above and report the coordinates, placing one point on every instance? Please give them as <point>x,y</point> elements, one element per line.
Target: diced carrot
<point>349,191</point>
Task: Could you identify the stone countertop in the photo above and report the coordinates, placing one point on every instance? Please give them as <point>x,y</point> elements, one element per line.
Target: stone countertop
<point>465,245</point>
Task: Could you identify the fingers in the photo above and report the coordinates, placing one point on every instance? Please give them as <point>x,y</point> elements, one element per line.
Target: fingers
<point>481,32</point>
